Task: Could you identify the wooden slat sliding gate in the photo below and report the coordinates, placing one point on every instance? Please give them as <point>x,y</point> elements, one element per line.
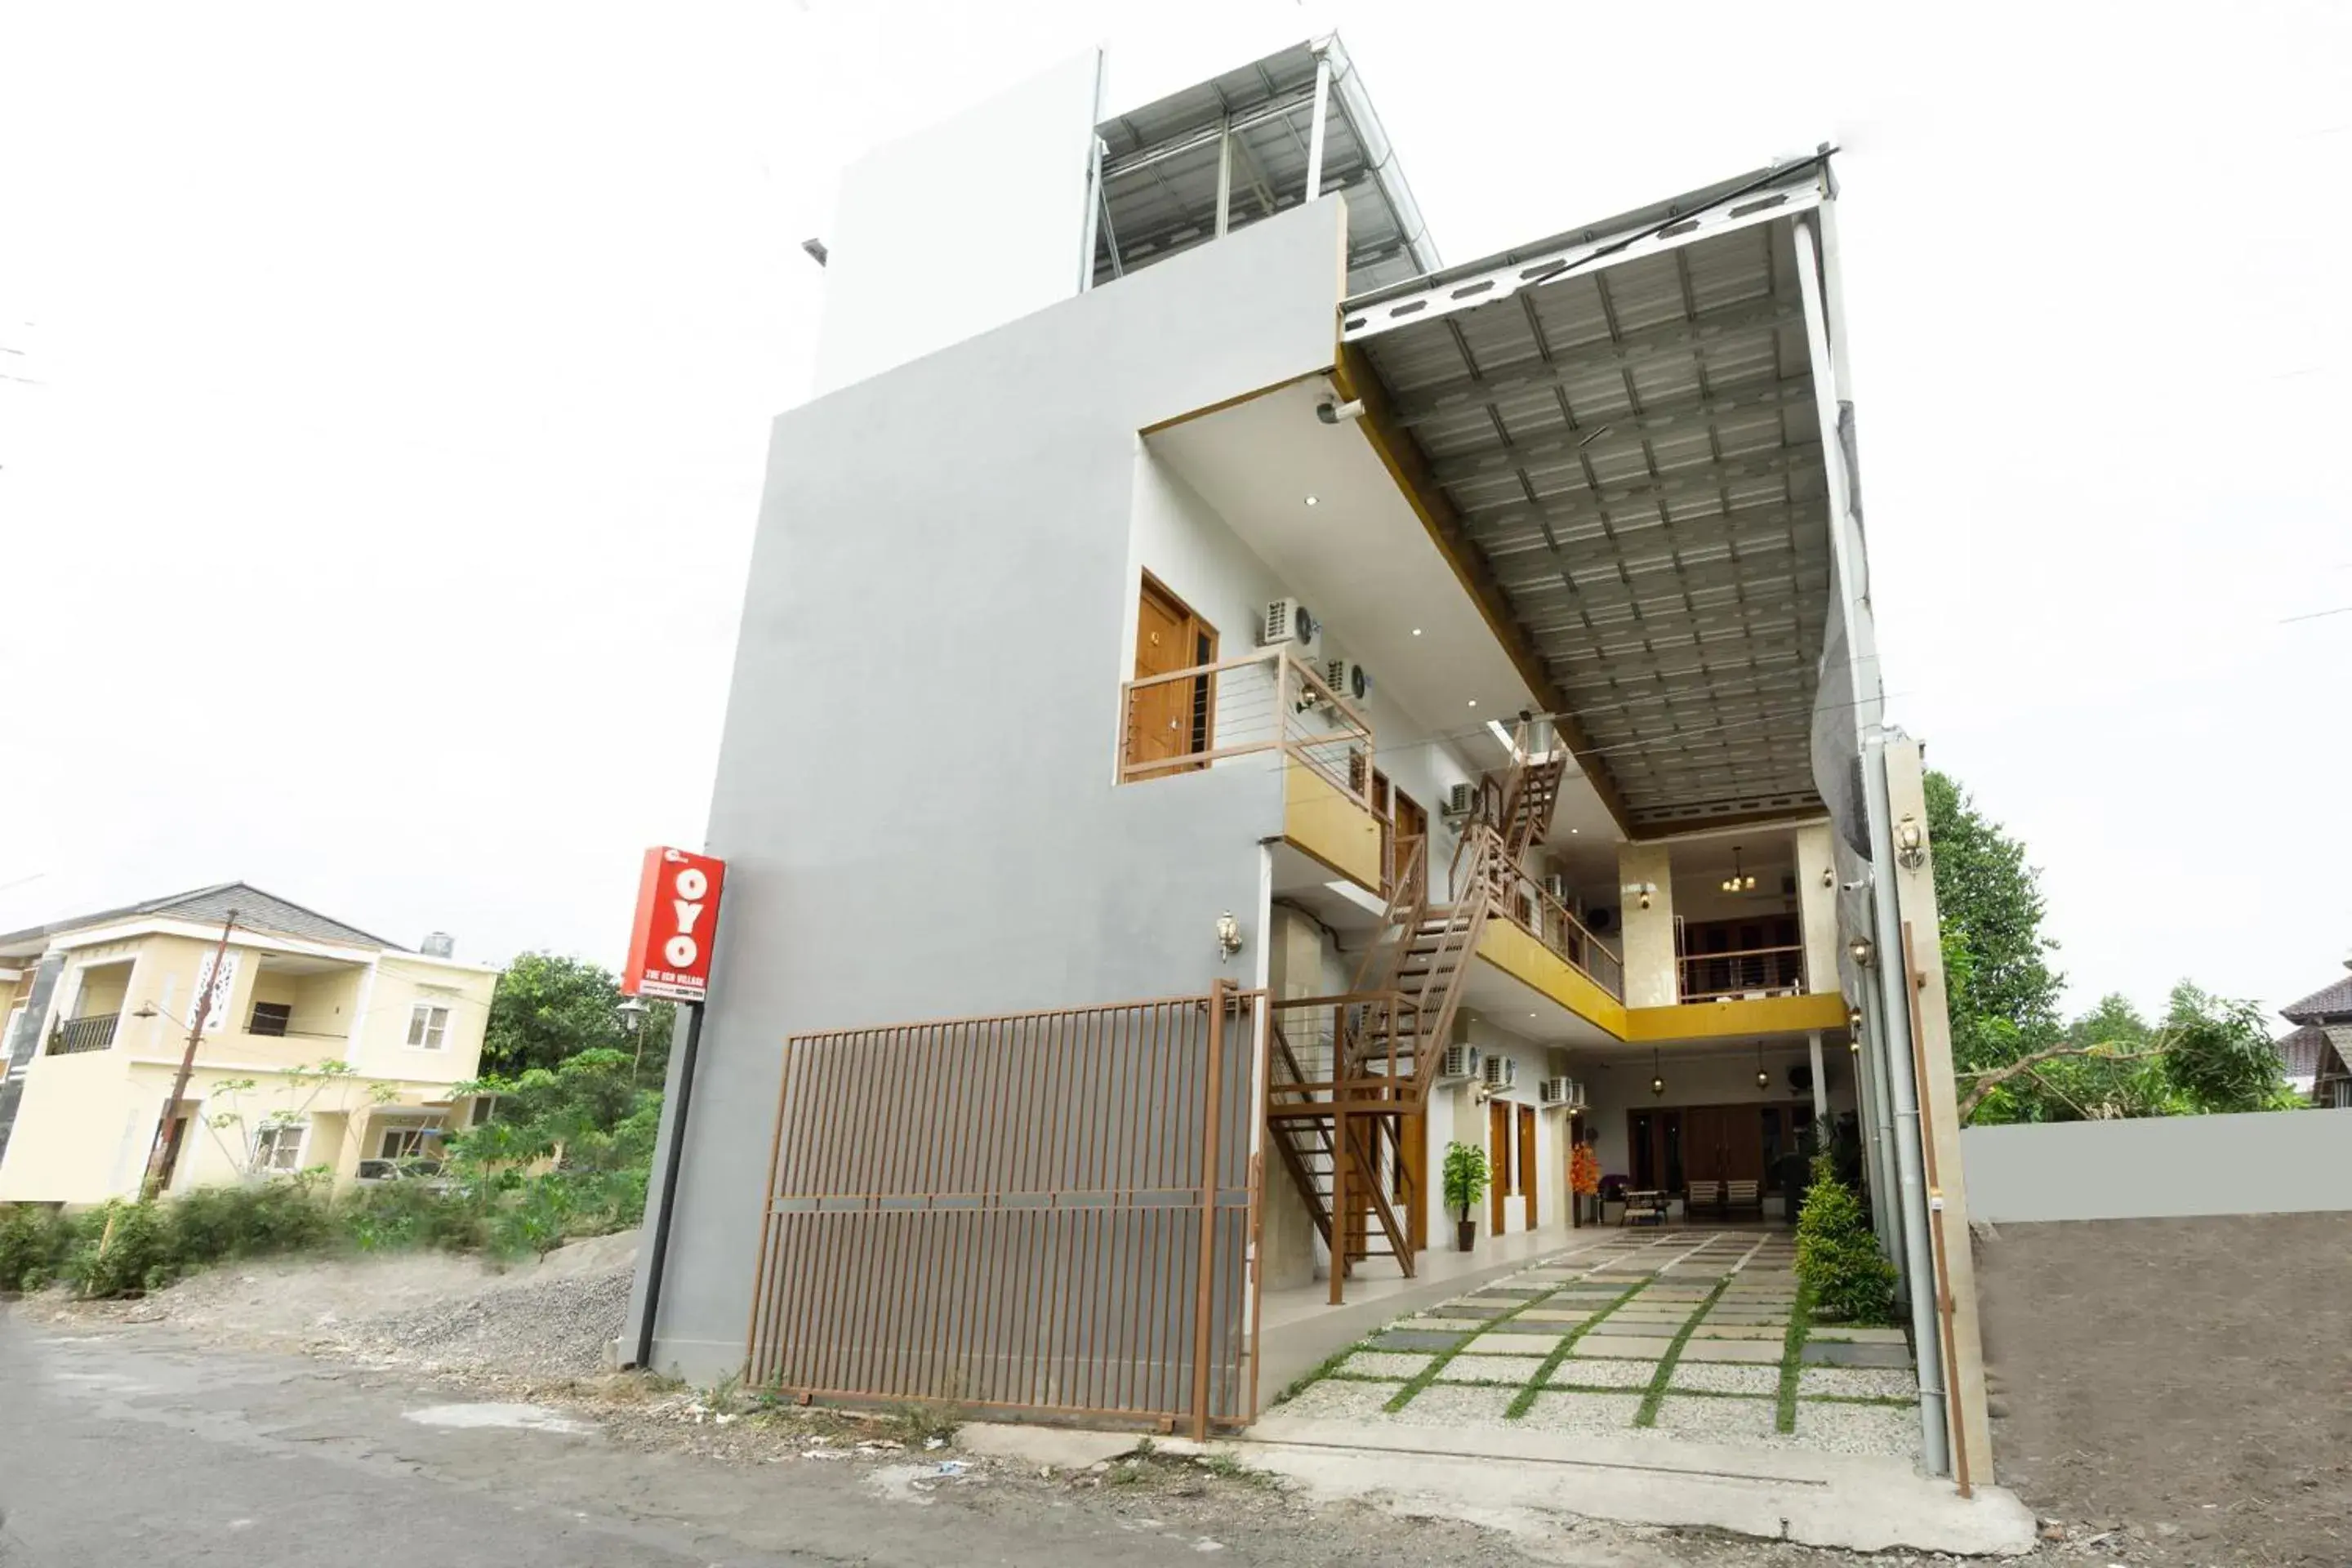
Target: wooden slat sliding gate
<point>1049,1213</point>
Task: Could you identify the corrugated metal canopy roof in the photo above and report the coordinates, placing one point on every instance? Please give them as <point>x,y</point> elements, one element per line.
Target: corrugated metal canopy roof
<point>1623,420</point>
<point>1159,171</point>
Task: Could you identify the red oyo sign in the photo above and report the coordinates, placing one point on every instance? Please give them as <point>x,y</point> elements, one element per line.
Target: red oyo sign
<point>677,915</point>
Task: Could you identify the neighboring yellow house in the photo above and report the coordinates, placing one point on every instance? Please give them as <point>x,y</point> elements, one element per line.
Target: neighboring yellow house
<point>97,1012</point>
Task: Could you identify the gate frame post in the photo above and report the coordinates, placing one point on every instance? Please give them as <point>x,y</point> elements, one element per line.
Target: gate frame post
<point>1204,1303</point>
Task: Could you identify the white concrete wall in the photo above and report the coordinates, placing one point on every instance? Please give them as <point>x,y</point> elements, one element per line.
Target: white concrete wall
<point>2280,1162</point>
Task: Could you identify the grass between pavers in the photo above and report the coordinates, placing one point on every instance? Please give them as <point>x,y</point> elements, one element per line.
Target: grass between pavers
<point>1328,1367</point>
<point>1560,1352</point>
<point>1439,1362</point>
<point>1648,1415</point>
<point>1792,1358</point>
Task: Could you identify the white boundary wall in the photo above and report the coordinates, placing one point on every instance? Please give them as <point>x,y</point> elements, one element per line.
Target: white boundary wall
<point>2296,1161</point>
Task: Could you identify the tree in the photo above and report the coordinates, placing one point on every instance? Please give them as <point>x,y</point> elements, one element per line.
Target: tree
<point>549,1009</point>
<point>2210,1056</point>
<point>2002,993</point>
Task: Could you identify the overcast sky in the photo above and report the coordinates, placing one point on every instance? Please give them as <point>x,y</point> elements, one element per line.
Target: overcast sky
<point>387,393</point>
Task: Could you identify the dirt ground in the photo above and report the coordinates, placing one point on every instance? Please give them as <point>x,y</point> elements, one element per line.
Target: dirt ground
<point>2186,1380</point>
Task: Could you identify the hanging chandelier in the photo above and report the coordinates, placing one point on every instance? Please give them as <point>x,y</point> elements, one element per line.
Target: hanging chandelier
<point>1738,882</point>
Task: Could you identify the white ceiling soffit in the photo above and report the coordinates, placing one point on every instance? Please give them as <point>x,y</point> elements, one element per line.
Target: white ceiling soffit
<point>1624,420</point>
<point>1159,176</point>
<point>1360,557</point>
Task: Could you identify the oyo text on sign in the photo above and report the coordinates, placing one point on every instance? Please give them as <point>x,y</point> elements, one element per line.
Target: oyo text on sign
<point>678,917</point>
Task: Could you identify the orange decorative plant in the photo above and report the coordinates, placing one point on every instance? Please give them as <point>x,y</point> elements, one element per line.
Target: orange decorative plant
<point>1584,1171</point>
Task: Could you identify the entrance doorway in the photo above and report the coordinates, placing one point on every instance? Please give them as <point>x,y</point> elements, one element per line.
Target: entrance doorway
<point>1174,718</point>
<point>1498,1155</point>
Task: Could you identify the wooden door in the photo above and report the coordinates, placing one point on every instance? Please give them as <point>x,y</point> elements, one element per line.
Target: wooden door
<point>1409,824</point>
<point>1498,1155</point>
<point>1528,1171</point>
<point>1741,1155</point>
<point>1413,1177</point>
<point>1703,1142</point>
<point>1173,718</point>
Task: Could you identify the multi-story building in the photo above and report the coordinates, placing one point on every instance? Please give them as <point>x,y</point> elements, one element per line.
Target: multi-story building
<point>320,1047</point>
<point>1453,685</point>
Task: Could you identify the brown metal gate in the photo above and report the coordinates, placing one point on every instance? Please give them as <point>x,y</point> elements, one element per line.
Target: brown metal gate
<point>1043,1212</point>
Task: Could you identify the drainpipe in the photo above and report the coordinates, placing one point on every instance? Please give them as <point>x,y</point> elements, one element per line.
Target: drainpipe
<point>1896,1065</point>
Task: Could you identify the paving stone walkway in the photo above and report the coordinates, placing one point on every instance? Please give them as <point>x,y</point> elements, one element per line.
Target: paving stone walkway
<point>1694,1334</point>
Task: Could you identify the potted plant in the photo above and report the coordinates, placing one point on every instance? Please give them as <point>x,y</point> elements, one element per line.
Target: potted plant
<point>1465,1182</point>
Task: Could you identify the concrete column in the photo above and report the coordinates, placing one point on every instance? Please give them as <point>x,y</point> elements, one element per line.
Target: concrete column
<point>1295,969</point>
<point>1650,977</point>
<point>1817,906</point>
<point>1915,889</point>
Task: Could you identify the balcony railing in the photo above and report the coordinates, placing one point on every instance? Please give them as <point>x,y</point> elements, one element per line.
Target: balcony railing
<point>1271,700</point>
<point>94,1032</point>
<point>1533,910</point>
<point>1754,972</point>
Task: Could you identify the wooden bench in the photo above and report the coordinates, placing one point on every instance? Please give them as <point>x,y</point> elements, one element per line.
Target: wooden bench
<point>1743,1196</point>
<point>1697,1195</point>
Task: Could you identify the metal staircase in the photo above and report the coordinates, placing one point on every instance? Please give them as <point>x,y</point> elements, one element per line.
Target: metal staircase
<point>1349,1069</point>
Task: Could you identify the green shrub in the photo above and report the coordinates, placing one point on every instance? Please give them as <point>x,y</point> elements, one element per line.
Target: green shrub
<point>124,1250</point>
<point>1837,1257</point>
<point>34,1244</point>
<point>393,1216</point>
<point>213,1224</point>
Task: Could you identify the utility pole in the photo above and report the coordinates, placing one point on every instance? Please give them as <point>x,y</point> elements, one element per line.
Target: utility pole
<point>202,1005</point>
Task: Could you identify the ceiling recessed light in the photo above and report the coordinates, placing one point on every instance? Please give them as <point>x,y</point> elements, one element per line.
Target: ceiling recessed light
<point>1576,830</point>
<point>1314,500</point>
<point>1474,702</point>
<point>1416,631</point>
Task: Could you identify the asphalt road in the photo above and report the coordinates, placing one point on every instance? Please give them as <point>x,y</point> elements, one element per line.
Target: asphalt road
<point>122,1448</point>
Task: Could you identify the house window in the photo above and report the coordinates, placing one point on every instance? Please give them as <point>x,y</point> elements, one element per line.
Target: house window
<point>402,1142</point>
<point>269,1018</point>
<point>428,1026</point>
<point>279,1146</point>
<point>480,1112</point>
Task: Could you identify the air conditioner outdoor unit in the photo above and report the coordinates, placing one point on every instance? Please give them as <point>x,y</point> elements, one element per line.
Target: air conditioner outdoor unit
<point>1501,1072</point>
<point>1461,800</point>
<point>1563,1091</point>
<point>1348,678</point>
<point>1459,1062</point>
<point>1292,624</point>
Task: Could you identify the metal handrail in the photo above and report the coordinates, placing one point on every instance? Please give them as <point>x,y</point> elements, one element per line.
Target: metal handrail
<point>1609,975</point>
<point>92,1033</point>
<point>1752,966</point>
<point>1340,755</point>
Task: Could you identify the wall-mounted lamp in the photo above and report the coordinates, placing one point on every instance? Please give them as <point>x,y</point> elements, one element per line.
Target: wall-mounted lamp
<point>1829,877</point>
<point>1862,951</point>
<point>1229,936</point>
<point>1641,890</point>
<point>1854,1021</point>
<point>1910,842</point>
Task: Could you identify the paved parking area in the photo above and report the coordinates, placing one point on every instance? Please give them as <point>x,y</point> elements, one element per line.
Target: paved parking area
<point>1692,1334</point>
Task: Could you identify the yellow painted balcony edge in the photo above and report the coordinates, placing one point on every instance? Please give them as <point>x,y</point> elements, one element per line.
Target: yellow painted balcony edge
<point>1320,819</point>
<point>1505,945</point>
<point>1715,1020</point>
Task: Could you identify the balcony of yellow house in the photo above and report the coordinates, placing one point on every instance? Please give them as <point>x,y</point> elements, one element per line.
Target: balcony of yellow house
<point>1267,707</point>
